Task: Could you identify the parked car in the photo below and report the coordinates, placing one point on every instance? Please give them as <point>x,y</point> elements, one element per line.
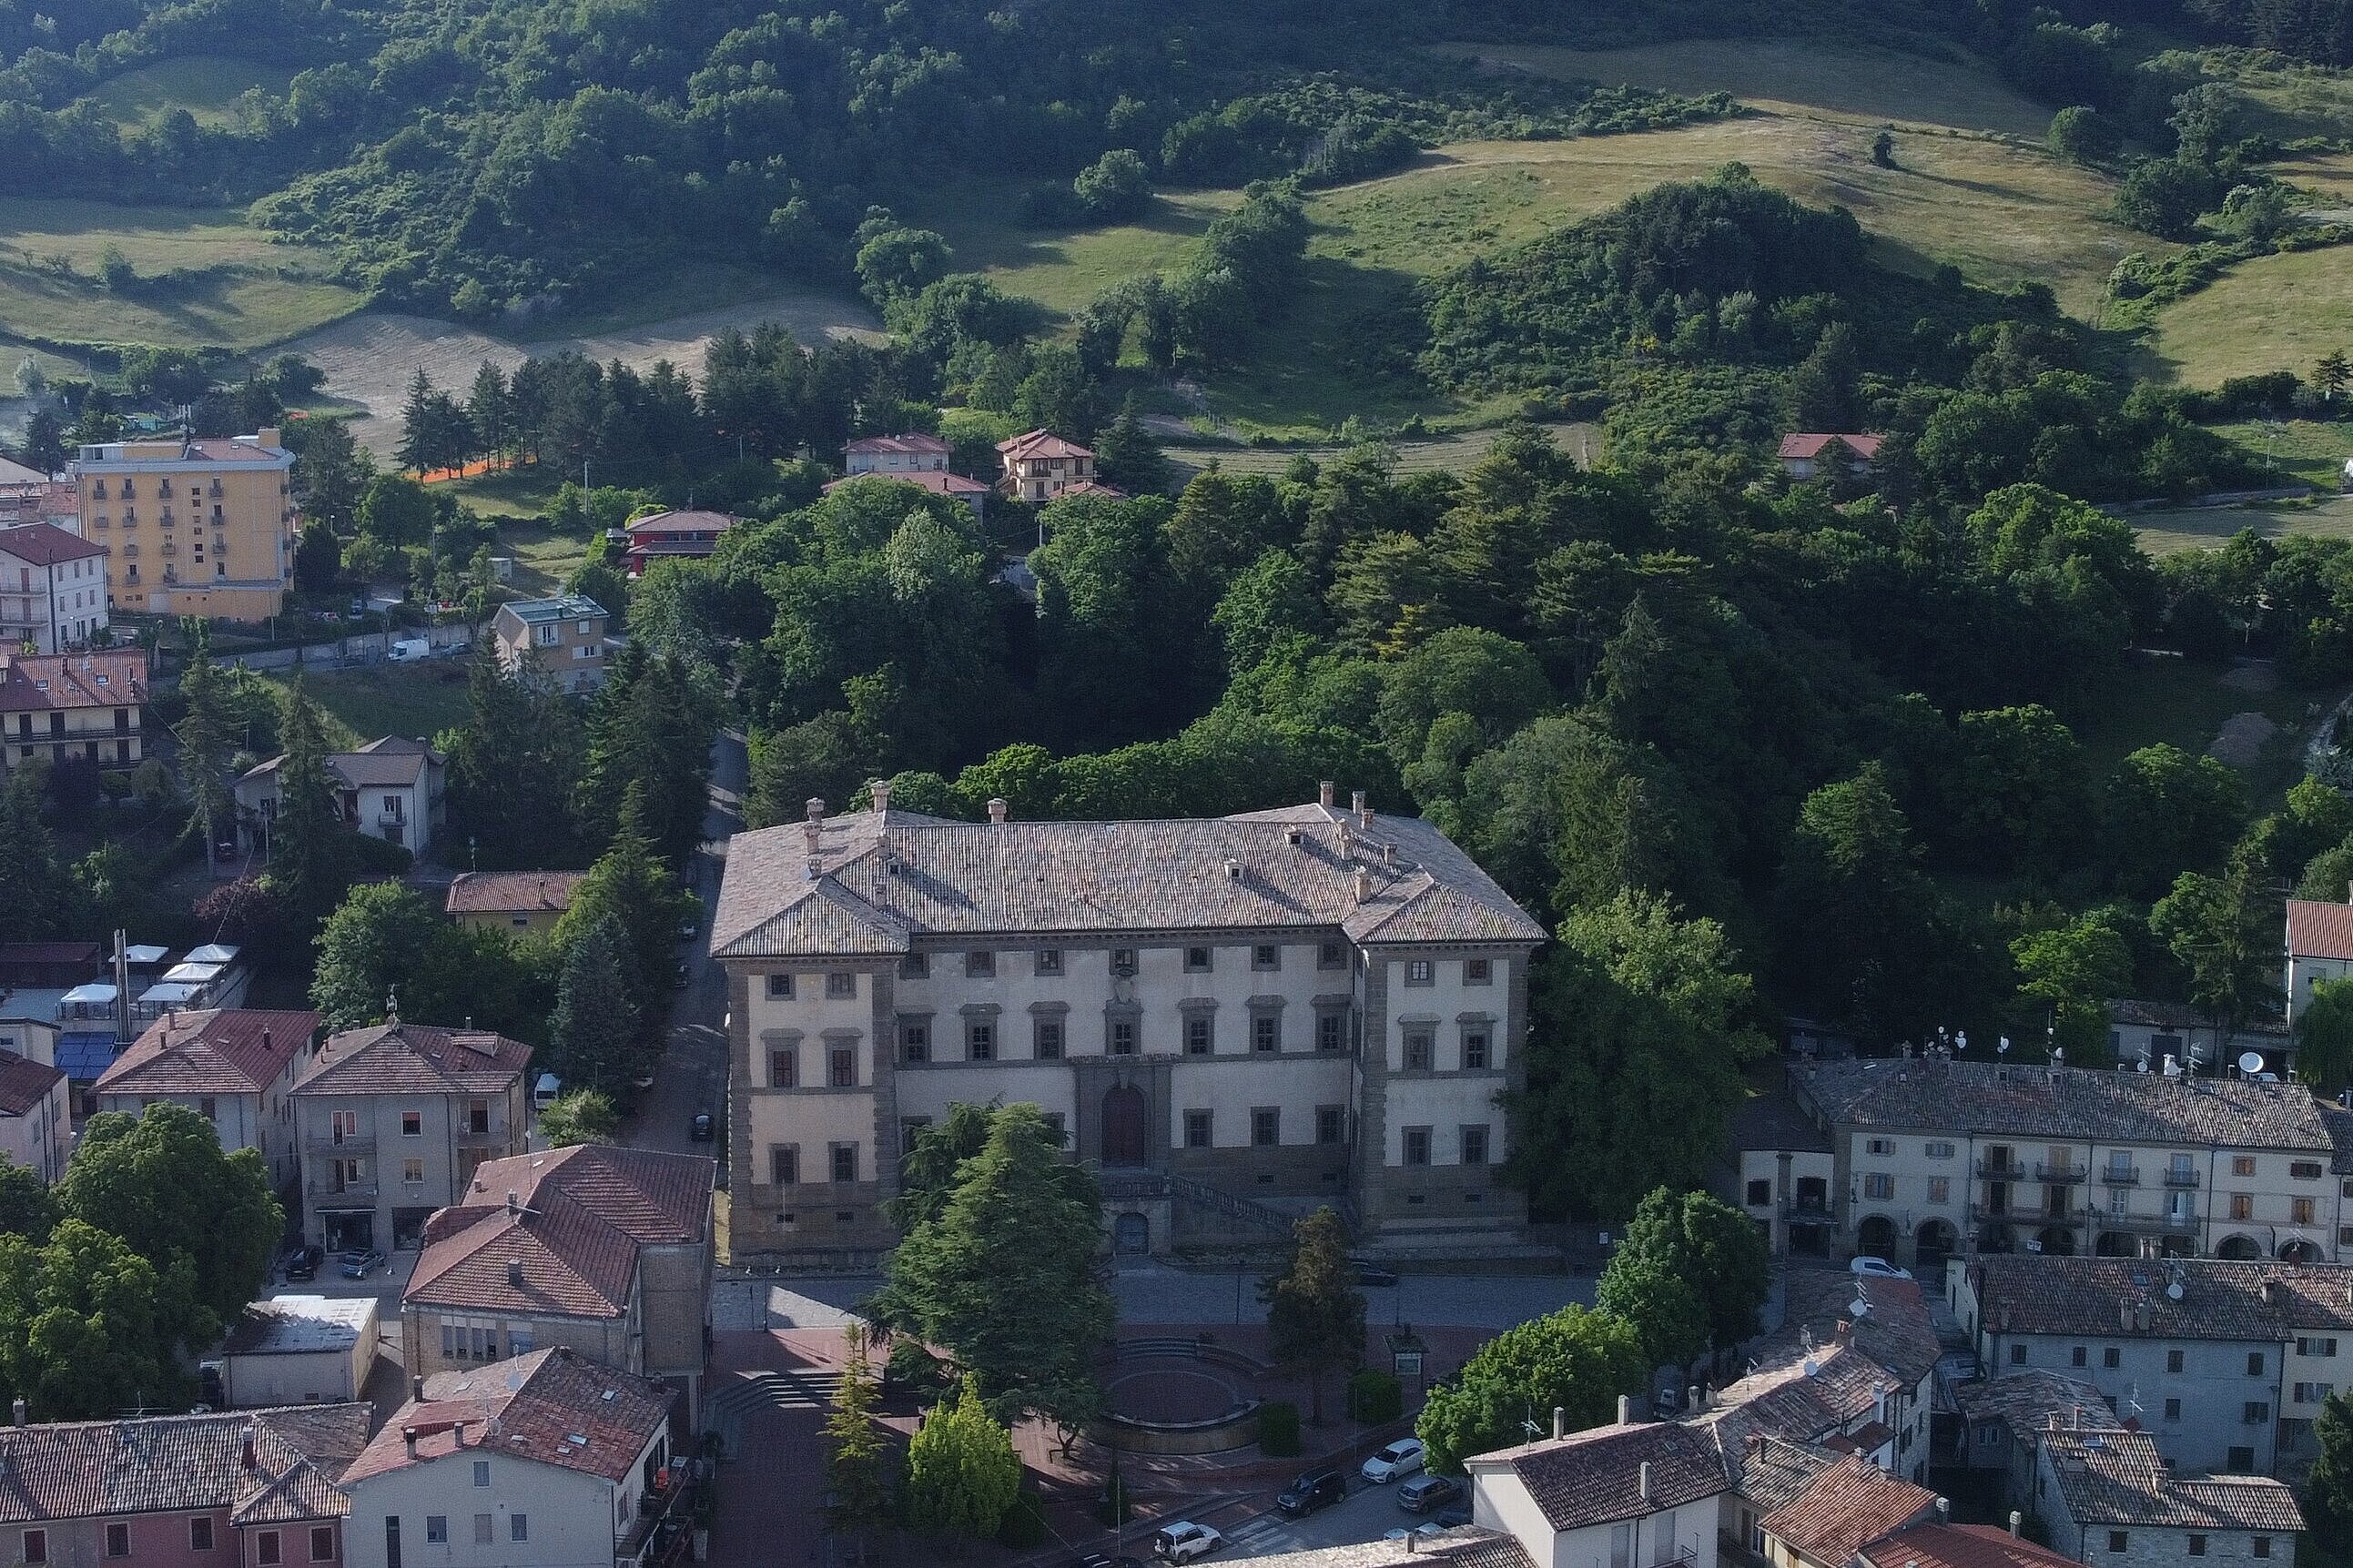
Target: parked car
<point>409,650</point>
<point>1312,1491</point>
<point>1453,1515</point>
<point>1373,1274</point>
<point>304,1262</point>
<point>361,1262</point>
<point>702,1129</point>
<point>1399,1459</point>
<point>1425,1492</point>
<point>1877,1269</point>
<point>1400,1531</point>
<point>1183,1540</point>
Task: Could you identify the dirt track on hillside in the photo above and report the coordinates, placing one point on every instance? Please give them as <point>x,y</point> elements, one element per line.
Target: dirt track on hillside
<point>370,358</point>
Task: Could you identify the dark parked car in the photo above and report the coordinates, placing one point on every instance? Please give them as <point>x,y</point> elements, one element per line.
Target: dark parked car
<point>702,1128</point>
<point>1425,1491</point>
<point>1454,1516</point>
<point>1312,1491</point>
<point>304,1262</point>
<point>1373,1274</point>
<point>361,1262</point>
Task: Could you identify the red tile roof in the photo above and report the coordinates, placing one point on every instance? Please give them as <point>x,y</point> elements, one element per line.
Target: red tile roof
<point>1960,1546</point>
<point>227,1050</point>
<point>1594,1477</point>
<point>1092,488</point>
<point>45,544</point>
<point>914,441</point>
<point>683,522</point>
<point>580,1217</point>
<point>2319,931</point>
<point>552,1406</point>
<point>1810,445</point>
<point>510,892</point>
<point>413,1059</point>
<point>1853,1502</point>
<point>58,681</point>
<point>1042,444</point>
<point>25,1083</point>
<point>105,1469</point>
<point>938,481</point>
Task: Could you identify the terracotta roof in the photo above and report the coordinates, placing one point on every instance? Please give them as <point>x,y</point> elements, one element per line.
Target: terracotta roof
<point>2319,931</point>
<point>552,1406</point>
<point>1770,1472</point>
<point>1897,1335</point>
<point>581,1216</point>
<point>1594,1477</point>
<point>413,1059</point>
<point>2026,1401</point>
<point>87,1470</point>
<point>1042,444</point>
<point>1960,1546</point>
<point>232,1050</point>
<point>886,877</point>
<point>1853,1502</point>
<point>510,892</point>
<point>45,544</point>
<point>2119,1478</point>
<point>25,1083</point>
<point>1810,445</point>
<point>914,441</point>
<point>698,522</point>
<point>1771,1119</point>
<point>1806,1398</point>
<point>13,472</point>
<point>2111,1296</point>
<point>1092,488</point>
<point>938,481</point>
<point>114,677</point>
<point>2061,1104</point>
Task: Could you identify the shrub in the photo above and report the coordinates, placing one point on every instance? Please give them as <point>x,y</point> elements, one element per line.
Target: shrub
<point>1375,1397</point>
<point>377,858</point>
<point>1116,189</point>
<point>1023,1527</point>
<point>1278,1429</point>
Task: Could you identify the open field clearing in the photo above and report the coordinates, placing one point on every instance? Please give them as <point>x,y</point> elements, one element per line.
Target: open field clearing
<point>206,85</point>
<point>240,291</point>
<point>1063,269</point>
<point>1803,75</point>
<point>2276,312</point>
<point>370,358</point>
<point>419,700</point>
<point>2202,528</point>
<point>1452,453</point>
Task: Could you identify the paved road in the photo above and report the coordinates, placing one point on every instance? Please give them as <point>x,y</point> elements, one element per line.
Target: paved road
<point>1369,1513</point>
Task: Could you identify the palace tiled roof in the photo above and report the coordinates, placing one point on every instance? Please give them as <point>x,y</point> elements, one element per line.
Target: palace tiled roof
<point>225,1050</point>
<point>579,1219</point>
<point>1594,1477</point>
<point>2061,1103</point>
<point>552,1406</point>
<point>1040,444</point>
<point>510,892</point>
<point>413,1059</point>
<point>1959,1546</point>
<point>158,1464</point>
<point>1853,1502</point>
<point>1804,1398</point>
<point>884,878</point>
<point>25,1083</point>
<point>2119,1478</point>
<point>2318,929</point>
<point>2132,1298</point>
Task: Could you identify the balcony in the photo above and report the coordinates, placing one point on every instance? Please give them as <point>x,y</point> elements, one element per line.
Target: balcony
<point>2000,1171</point>
<point>2174,1178</point>
<point>2164,1223</point>
<point>349,1193</point>
<point>2048,1173</point>
<point>2120,1175</point>
<point>351,1144</point>
<point>485,1139</point>
<point>1807,1211</point>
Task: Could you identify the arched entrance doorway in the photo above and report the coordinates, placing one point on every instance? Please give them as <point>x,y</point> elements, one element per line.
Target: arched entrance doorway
<point>2239,1248</point>
<point>2056,1241</point>
<point>1123,1125</point>
<point>2300,1251</point>
<point>1876,1237</point>
<point>2117,1244</point>
<point>1995,1237</point>
<point>1131,1233</point>
<point>1936,1243</point>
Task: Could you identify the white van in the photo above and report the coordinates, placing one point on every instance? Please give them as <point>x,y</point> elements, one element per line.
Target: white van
<point>409,650</point>
<point>544,1093</point>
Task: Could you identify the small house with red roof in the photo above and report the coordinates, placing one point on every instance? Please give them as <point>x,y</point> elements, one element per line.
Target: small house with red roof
<point>36,1115</point>
<point>1805,455</point>
<point>914,458</point>
<point>232,1066</point>
<point>1041,466</point>
<point>547,1460</point>
<point>52,589</point>
<point>673,535</point>
<point>2319,947</point>
<point>56,706</point>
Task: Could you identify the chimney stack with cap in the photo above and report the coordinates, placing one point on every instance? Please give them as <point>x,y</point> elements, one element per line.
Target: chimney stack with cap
<point>245,1443</point>
<point>1643,1482</point>
<point>996,809</point>
<point>879,791</point>
<point>1362,807</point>
<point>417,1388</point>
<point>1364,884</point>
<point>408,1440</point>
<point>1625,1409</point>
<point>514,1272</point>
<point>1559,1422</point>
<point>1944,1511</point>
<point>816,804</point>
<point>514,1203</point>
<point>16,1410</point>
<point>1325,794</point>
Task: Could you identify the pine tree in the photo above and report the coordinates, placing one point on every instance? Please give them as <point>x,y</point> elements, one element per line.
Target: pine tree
<point>519,749</point>
<point>593,1033</point>
<point>34,892</point>
<point>1129,458</point>
<point>857,1466</point>
<point>2331,373</point>
<point>631,887</point>
<point>649,729</point>
<point>2329,1485</point>
<point>205,737</point>
<point>491,409</point>
<point>311,859</point>
<point>420,437</point>
<point>1315,1315</point>
<point>963,1475</point>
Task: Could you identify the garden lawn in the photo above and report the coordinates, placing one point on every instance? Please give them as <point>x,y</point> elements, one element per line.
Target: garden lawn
<point>419,700</point>
<point>2274,312</point>
<point>2207,528</point>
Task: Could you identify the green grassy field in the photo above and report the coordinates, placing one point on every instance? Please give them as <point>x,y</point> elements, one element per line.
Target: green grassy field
<point>2204,528</point>
<point>1814,76</point>
<point>2175,701</point>
<point>2305,449</point>
<point>1062,270</point>
<point>2276,312</point>
<point>414,700</point>
<point>206,85</point>
<point>243,291</point>
<point>1452,454</point>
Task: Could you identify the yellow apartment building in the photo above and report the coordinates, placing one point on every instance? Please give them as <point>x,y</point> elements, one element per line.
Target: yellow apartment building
<point>194,526</point>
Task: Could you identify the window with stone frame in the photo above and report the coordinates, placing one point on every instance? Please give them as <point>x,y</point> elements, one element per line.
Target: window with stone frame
<point>1417,1145</point>
<point>1266,1031</point>
<point>840,986</point>
<point>1197,1129</point>
<point>979,965</point>
<point>1198,1035</point>
<point>1474,1143</point>
<point>1421,972</point>
<point>1123,1036</point>
<point>1266,955</point>
<point>1331,1124</point>
<point>1478,972</point>
<point>845,1161</point>
<point>841,1066</point>
<point>1331,1031</point>
<point>980,1039</point>
<point>1474,1048</point>
<point>1266,1126</point>
<point>785,1066</point>
<point>1419,1047</point>
<point>915,1042</point>
<point>784,1165</point>
<point>1047,1039</point>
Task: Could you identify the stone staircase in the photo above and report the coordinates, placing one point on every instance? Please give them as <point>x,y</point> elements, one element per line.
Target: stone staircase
<point>1244,1214</point>
<point>808,1388</point>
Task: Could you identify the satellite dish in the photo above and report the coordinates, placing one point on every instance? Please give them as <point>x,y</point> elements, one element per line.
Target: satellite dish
<point>2173,1292</point>
<point>2251,1062</point>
